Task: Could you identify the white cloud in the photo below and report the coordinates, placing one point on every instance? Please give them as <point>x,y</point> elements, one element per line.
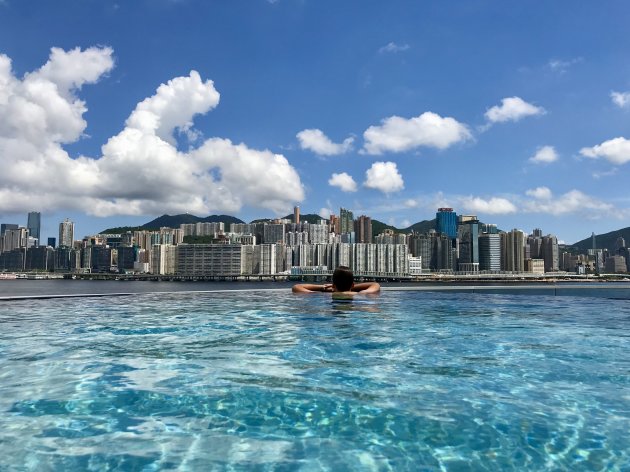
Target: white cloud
<point>325,213</point>
<point>411,203</point>
<point>573,201</point>
<point>512,109</point>
<point>492,206</point>
<point>344,181</point>
<point>544,155</point>
<point>543,193</point>
<point>405,223</point>
<point>315,140</point>
<point>393,47</point>
<point>140,171</point>
<point>561,66</point>
<point>397,134</point>
<point>621,99</point>
<point>615,150</point>
<point>384,176</point>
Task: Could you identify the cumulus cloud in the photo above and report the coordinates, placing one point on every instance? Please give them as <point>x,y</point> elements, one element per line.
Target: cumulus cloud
<point>621,99</point>
<point>615,150</point>
<point>140,171</point>
<point>512,109</point>
<point>492,206</point>
<point>544,155</point>
<point>344,181</point>
<point>384,176</point>
<point>315,140</point>
<point>397,134</point>
<point>543,193</point>
<point>411,203</point>
<point>573,201</point>
<point>393,47</point>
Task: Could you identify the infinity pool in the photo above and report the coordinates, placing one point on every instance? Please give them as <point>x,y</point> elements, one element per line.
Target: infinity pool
<point>269,381</point>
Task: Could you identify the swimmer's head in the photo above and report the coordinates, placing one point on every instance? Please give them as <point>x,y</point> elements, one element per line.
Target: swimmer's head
<point>343,279</point>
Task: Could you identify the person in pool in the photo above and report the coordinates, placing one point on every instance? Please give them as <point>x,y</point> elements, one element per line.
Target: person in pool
<point>342,285</point>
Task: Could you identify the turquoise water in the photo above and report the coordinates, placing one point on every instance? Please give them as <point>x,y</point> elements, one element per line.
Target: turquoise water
<point>272,381</point>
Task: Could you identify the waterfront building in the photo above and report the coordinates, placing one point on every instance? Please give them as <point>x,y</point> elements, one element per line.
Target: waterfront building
<point>490,252</point>
<point>535,266</point>
<point>446,222</point>
<point>363,229</point>
<point>162,259</point>
<point>415,266</point>
<point>100,258</point>
<point>513,251</point>
<point>550,254</point>
<point>12,261</point>
<point>34,224</point>
<point>65,259</point>
<point>125,257</point>
<point>468,236</point>
<point>615,265</point>
<point>52,242</point>
<point>264,261</point>
<point>41,258</point>
<point>208,259</point>
<point>66,233</point>
<point>420,246</point>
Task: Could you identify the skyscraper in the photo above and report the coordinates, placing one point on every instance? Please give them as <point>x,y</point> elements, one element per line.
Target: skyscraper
<point>446,222</point>
<point>296,215</point>
<point>346,221</point>
<point>34,224</point>
<point>363,229</point>
<point>66,233</point>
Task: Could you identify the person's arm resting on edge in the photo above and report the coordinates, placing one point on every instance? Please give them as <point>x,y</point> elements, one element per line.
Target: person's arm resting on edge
<point>308,288</point>
<point>367,287</point>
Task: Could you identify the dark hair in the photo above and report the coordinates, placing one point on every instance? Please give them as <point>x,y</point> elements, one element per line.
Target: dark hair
<point>343,278</point>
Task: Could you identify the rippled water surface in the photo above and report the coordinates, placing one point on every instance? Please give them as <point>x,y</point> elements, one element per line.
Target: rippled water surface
<point>272,381</point>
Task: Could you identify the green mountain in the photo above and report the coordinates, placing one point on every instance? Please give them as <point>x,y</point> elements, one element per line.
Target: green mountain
<point>603,241</point>
<point>173,221</point>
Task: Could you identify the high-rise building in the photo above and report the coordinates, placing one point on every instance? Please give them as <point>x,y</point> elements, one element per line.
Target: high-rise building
<point>14,239</point>
<point>296,215</point>
<point>550,254</point>
<point>52,242</point>
<point>489,252</point>
<point>346,221</point>
<point>468,235</point>
<point>334,224</point>
<point>513,251</point>
<point>66,233</point>
<point>273,233</point>
<point>363,229</point>
<point>446,222</point>
<point>34,224</point>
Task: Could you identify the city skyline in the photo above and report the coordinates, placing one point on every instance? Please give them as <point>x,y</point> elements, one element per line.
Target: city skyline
<point>113,114</point>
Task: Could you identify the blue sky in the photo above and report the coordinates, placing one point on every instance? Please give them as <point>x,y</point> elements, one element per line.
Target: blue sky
<point>515,111</point>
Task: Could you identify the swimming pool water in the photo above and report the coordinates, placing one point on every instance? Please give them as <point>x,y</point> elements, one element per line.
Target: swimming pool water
<point>273,381</point>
